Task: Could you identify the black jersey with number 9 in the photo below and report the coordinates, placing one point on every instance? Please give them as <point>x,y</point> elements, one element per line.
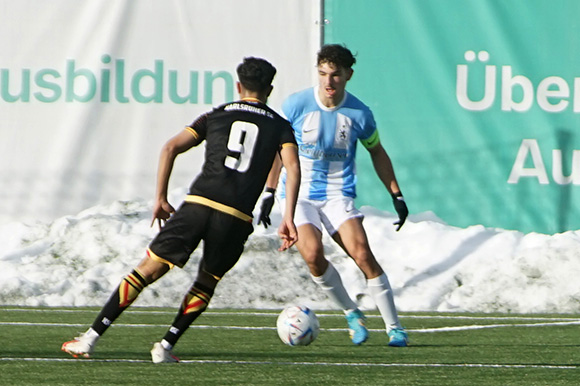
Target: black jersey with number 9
<point>242,139</point>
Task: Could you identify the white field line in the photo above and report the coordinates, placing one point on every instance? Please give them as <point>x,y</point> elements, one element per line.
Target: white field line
<point>205,326</point>
<point>547,322</point>
<point>288,363</point>
<point>136,310</point>
<point>539,321</point>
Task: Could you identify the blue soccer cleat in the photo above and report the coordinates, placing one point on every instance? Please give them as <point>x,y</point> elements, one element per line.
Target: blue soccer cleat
<point>398,338</point>
<point>356,327</point>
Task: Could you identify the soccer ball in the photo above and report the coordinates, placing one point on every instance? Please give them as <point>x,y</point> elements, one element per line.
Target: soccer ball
<point>297,326</point>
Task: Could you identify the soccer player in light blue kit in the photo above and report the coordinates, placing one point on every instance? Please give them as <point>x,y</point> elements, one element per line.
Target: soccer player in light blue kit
<point>328,121</point>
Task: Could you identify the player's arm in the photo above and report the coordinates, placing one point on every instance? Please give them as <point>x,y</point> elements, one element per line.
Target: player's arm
<point>267,201</point>
<point>180,143</point>
<point>384,168</point>
<point>272,181</point>
<point>287,230</point>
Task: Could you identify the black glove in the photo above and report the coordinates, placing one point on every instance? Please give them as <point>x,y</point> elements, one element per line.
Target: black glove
<point>401,208</point>
<point>266,207</point>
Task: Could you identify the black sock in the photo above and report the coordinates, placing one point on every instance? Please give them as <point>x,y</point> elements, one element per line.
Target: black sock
<point>194,304</point>
<point>130,287</point>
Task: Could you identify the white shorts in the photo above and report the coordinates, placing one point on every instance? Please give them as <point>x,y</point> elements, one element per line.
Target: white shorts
<point>331,213</point>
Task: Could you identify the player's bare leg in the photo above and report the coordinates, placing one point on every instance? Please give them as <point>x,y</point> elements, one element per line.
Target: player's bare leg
<point>328,279</point>
<point>352,237</point>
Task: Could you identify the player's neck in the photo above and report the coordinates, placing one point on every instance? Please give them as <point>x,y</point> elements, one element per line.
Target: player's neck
<point>252,99</point>
<point>253,96</point>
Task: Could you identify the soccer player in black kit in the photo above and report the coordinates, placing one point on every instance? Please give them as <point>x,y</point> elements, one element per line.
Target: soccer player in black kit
<point>242,138</point>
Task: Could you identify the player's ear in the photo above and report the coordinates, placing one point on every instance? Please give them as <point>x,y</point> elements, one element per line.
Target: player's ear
<point>239,87</point>
<point>349,73</point>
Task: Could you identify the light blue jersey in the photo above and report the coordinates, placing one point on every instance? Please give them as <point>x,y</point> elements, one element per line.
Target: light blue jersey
<point>327,139</point>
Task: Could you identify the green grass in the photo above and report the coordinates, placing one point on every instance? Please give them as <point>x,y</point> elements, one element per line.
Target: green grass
<point>241,347</point>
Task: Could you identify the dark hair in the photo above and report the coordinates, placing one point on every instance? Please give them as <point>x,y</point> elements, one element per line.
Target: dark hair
<point>336,54</point>
<point>256,74</point>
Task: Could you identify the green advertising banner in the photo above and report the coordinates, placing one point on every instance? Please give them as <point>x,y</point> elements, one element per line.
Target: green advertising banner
<point>477,103</point>
<point>91,90</point>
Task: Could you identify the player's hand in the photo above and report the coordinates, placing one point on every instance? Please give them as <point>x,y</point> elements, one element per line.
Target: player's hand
<point>401,208</point>
<point>288,234</point>
<point>266,207</point>
<point>162,210</point>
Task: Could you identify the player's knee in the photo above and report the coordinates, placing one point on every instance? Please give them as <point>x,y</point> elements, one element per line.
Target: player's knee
<point>152,269</point>
<point>312,256</point>
<point>364,258</point>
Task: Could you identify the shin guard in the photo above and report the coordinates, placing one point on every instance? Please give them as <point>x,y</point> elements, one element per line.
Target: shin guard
<point>130,287</point>
<point>194,304</point>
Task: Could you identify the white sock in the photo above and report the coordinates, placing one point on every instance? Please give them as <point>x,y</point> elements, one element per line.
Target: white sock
<point>92,336</point>
<point>166,345</point>
<point>331,283</point>
<point>382,294</point>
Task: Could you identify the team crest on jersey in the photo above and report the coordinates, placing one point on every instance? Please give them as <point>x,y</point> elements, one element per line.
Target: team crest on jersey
<point>342,133</point>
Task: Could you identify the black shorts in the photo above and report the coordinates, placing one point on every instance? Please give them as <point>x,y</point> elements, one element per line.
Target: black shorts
<point>224,237</point>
